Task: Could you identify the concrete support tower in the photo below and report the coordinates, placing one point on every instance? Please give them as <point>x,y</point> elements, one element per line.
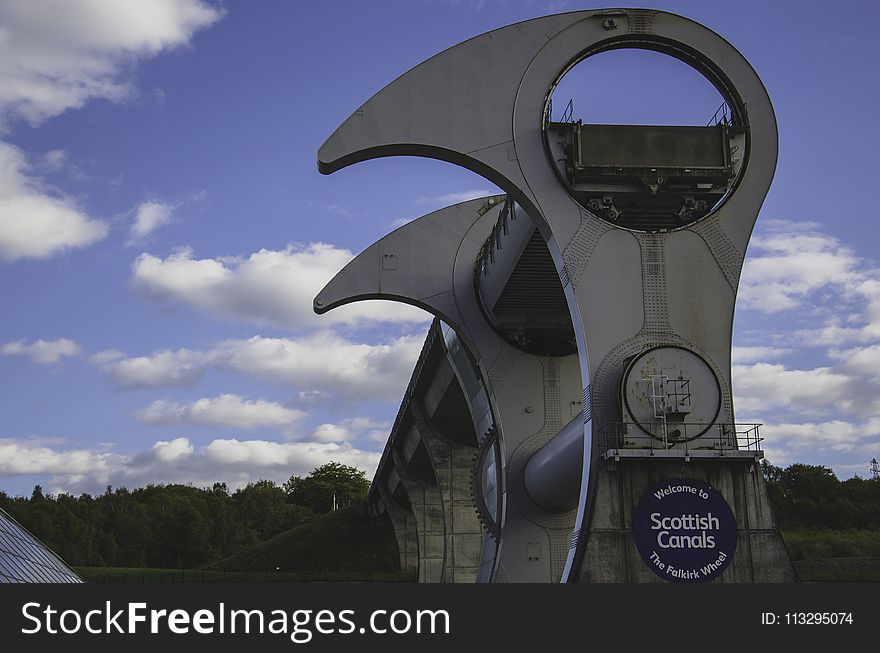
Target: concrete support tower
<point>575,389</point>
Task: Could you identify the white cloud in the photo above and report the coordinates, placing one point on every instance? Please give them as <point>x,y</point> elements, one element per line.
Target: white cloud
<point>351,429</point>
<point>227,410</point>
<point>342,210</point>
<point>175,450</point>
<point>331,433</point>
<point>448,199</point>
<point>861,361</point>
<point>457,198</point>
<point>768,386</point>
<point>56,55</point>
<point>312,396</point>
<point>34,223</point>
<point>268,287</point>
<point>325,361</point>
<point>741,355</point>
<point>107,356</point>
<point>183,367</point>
<point>236,462</point>
<point>845,446</point>
<point>54,159</point>
<point>321,365</point>
<point>41,351</point>
<point>149,216</point>
<point>542,6</point>
<point>789,261</point>
<point>853,314</point>
<point>29,457</point>
<point>297,457</point>
<point>831,435</point>
<point>828,304</point>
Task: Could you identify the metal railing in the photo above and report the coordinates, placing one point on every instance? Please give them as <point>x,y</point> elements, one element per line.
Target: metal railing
<point>722,116</point>
<point>569,111</point>
<point>486,254</point>
<point>680,436</point>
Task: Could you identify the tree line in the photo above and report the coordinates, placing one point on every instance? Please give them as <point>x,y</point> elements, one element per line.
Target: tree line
<point>180,526</point>
<point>812,498</point>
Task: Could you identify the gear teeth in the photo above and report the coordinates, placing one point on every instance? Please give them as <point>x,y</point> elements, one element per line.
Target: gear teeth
<point>483,514</point>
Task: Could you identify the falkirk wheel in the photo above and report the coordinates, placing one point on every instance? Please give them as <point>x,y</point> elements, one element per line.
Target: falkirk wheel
<point>570,417</point>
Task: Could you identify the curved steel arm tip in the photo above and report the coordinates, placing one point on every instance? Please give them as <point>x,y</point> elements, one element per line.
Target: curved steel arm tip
<point>414,264</point>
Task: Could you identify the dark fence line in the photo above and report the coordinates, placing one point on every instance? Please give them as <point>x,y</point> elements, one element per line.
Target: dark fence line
<point>838,570</point>
<point>109,575</point>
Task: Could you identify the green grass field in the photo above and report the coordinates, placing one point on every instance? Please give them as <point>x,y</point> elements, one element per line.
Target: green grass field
<point>835,556</point>
<point>341,546</point>
<point>814,545</point>
<point>149,575</point>
<point>839,570</point>
<point>340,541</point>
<point>823,570</point>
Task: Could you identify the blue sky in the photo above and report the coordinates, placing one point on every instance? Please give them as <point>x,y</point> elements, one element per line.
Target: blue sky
<point>163,229</point>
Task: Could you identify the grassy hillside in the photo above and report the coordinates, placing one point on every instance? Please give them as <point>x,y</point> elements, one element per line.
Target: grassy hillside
<point>838,570</point>
<point>816,544</point>
<point>340,541</point>
<point>139,575</point>
<point>344,546</point>
<point>338,546</point>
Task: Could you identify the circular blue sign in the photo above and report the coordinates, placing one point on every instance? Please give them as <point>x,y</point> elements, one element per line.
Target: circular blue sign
<point>685,531</point>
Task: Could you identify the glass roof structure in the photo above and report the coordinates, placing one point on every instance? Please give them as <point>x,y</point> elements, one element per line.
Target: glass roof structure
<point>24,559</point>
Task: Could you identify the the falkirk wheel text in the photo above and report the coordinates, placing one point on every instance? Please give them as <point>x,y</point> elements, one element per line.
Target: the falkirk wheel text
<point>580,354</point>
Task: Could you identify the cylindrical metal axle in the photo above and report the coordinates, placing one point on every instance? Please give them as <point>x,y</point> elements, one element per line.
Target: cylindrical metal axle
<point>553,473</point>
